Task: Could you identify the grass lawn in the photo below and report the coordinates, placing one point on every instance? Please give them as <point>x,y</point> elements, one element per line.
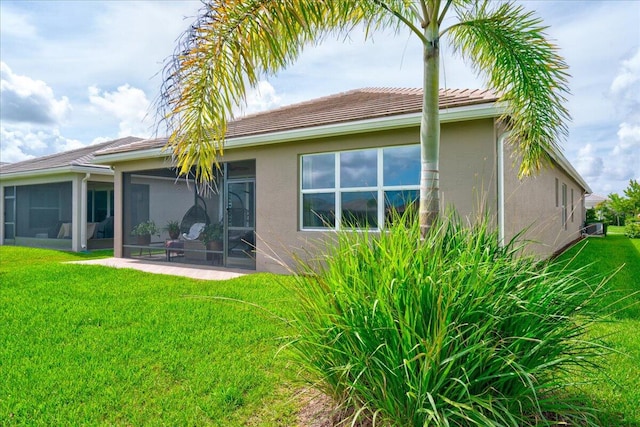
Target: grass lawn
<point>100,346</point>
<point>615,389</point>
<point>94,345</point>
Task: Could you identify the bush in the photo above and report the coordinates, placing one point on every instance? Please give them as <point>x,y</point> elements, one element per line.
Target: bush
<point>632,230</point>
<point>454,330</point>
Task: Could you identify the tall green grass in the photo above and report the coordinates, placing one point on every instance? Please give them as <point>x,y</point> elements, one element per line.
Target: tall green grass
<point>452,330</point>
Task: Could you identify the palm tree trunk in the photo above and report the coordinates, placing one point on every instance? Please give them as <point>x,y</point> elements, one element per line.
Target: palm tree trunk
<point>430,132</point>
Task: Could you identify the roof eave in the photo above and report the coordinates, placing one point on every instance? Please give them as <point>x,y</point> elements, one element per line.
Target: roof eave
<point>150,153</point>
<point>84,168</point>
<point>559,158</point>
<point>449,115</point>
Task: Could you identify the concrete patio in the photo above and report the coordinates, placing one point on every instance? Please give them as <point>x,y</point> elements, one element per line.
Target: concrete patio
<point>199,272</point>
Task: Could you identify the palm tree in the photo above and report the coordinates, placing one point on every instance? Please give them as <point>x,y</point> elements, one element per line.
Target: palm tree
<point>234,43</point>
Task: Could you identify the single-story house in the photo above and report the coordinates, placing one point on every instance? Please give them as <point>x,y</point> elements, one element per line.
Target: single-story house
<point>60,201</point>
<point>292,175</point>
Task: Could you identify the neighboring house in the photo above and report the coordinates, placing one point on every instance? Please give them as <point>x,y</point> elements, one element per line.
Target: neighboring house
<point>292,175</point>
<point>60,201</point>
<point>592,200</point>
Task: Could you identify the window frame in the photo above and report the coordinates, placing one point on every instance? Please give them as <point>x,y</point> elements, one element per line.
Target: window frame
<point>572,205</point>
<point>379,189</point>
<point>564,206</point>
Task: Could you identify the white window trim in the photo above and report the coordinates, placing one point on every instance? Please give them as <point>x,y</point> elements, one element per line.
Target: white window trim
<point>379,189</point>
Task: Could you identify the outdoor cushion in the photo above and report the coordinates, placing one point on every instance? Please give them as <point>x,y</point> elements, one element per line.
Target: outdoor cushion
<point>194,231</point>
<point>91,229</point>
<point>65,231</point>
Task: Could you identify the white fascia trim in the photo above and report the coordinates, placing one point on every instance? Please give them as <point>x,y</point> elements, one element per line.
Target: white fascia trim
<point>150,153</point>
<point>97,170</point>
<point>473,112</point>
<point>564,163</point>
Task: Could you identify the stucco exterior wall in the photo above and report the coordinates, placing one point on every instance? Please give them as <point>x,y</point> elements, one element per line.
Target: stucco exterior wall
<point>468,181</point>
<point>530,203</point>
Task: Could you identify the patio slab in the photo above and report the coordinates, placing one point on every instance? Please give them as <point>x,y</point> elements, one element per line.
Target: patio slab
<point>194,272</point>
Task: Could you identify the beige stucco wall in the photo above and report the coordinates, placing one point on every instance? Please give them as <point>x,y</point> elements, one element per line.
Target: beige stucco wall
<point>530,203</point>
<point>468,181</point>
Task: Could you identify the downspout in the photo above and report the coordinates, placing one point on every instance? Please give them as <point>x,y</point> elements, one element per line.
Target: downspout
<point>500,148</point>
<point>83,212</point>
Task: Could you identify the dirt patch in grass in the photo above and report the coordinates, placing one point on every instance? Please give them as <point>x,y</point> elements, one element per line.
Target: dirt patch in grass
<point>319,410</point>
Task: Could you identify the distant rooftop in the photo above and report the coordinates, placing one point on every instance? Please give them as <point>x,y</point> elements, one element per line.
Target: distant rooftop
<point>79,157</point>
<point>354,105</point>
<point>592,200</point>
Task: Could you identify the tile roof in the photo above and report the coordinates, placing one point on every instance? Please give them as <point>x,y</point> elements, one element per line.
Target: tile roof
<point>79,157</point>
<point>354,105</point>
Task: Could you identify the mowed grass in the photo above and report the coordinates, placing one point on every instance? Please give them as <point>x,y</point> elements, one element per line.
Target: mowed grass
<point>615,389</point>
<point>91,345</point>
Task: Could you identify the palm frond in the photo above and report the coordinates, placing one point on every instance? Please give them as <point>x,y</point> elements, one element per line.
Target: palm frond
<point>509,46</point>
<point>232,44</point>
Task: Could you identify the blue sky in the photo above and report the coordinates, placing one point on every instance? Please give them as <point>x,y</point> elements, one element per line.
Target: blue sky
<point>80,72</point>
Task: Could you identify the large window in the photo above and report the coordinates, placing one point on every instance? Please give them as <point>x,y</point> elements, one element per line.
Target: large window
<point>360,188</point>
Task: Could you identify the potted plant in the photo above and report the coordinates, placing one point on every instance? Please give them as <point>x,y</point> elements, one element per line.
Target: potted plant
<point>211,236</point>
<point>173,228</point>
<point>144,230</point>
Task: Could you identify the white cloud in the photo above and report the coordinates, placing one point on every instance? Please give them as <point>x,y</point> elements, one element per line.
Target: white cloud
<point>589,164</point>
<point>129,105</point>
<point>22,143</point>
<point>16,24</point>
<point>628,75</point>
<point>624,162</point>
<point>25,100</point>
<point>261,98</point>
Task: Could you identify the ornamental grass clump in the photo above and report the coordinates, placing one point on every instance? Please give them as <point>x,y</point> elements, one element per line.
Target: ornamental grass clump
<point>450,330</point>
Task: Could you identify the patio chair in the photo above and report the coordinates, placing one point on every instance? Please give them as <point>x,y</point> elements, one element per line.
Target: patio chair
<point>196,214</point>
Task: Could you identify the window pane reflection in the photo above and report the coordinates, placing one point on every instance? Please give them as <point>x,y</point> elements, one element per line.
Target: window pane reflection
<point>318,210</point>
<point>360,210</point>
<point>318,171</point>
<point>396,204</point>
<point>359,169</point>
<point>401,165</point>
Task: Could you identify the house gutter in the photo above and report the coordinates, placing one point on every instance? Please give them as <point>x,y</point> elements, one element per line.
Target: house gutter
<point>501,204</point>
<point>95,169</point>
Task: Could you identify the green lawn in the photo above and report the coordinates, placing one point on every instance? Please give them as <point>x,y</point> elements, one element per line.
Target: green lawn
<point>99,346</point>
<point>94,345</point>
<point>615,389</point>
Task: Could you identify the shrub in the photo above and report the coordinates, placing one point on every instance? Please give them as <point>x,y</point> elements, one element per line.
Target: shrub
<point>632,229</point>
<point>452,330</point>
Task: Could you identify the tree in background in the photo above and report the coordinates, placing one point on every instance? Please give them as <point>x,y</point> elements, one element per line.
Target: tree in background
<point>618,209</point>
<point>633,197</point>
<point>234,43</point>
